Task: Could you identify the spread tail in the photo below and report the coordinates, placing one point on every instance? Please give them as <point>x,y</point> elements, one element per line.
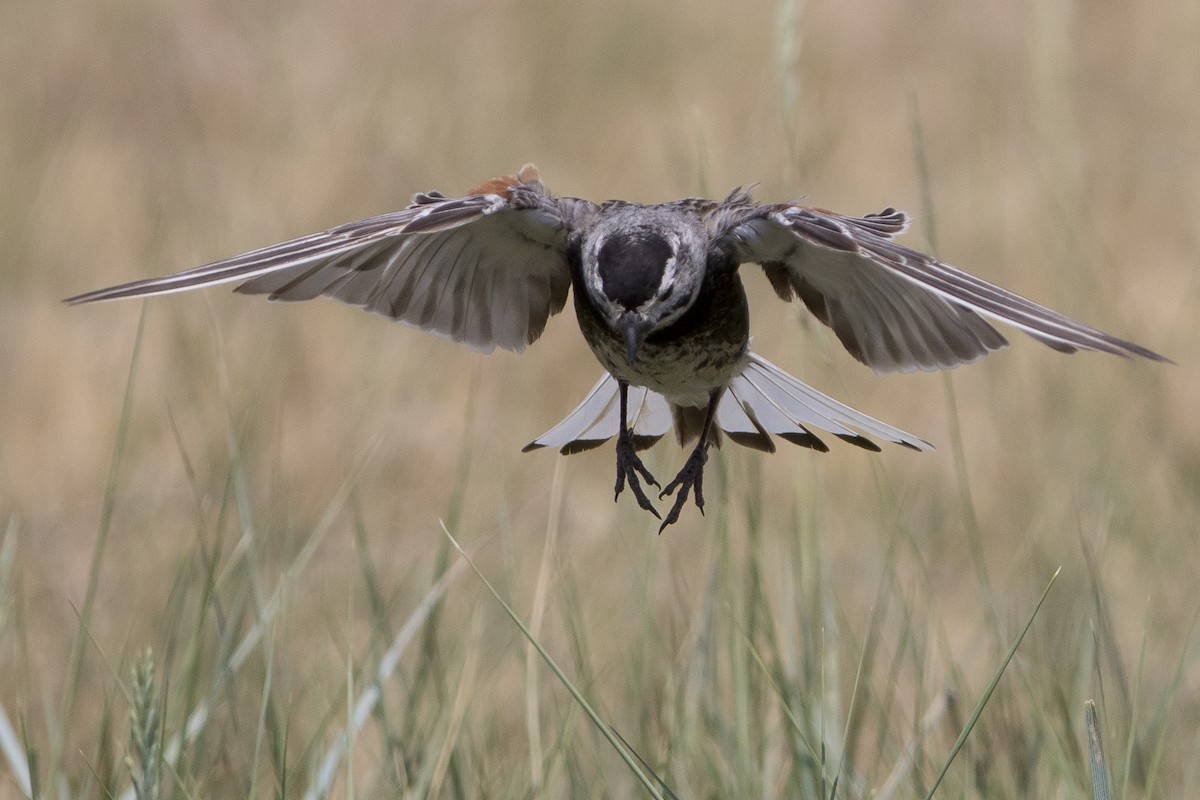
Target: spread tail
<point>760,402</point>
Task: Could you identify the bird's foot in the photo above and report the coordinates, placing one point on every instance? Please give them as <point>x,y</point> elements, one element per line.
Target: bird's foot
<point>689,479</point>
<point>630,468</point>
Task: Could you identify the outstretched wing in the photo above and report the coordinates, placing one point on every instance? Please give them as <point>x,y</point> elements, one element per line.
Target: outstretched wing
<point>893,308</point>
<point>487,269</point>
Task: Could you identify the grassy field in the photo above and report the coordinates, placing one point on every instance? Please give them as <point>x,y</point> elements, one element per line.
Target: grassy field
<point>261,494</point>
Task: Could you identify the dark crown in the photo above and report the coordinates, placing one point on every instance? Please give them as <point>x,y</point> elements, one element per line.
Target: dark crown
<point>631,267</point>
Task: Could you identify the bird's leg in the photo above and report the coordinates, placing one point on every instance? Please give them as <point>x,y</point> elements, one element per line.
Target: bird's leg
<point>629,465</point>
<point>691,477</point>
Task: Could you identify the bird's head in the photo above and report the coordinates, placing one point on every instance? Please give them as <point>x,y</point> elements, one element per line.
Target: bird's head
<point>642,270</point>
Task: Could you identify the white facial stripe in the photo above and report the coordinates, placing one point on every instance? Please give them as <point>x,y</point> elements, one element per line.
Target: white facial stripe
<point>670,269</point>
<point>664,287</point>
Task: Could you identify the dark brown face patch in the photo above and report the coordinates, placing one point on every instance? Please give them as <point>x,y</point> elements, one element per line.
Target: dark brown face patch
<point>631,267</point>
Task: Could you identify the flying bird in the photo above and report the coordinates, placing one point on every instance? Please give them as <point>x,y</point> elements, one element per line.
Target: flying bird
<point>659,300</point>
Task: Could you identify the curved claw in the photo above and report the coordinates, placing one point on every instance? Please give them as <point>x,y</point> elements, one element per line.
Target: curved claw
<point>689,479</point>
<point>630,468</point>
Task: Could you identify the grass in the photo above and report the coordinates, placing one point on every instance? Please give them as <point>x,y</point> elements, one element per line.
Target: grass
<point>763,689</point>
<point>231,577</point>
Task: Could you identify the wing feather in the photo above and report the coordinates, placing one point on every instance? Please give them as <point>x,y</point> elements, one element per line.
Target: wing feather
<point>487,269</point>
<point>893,308</point>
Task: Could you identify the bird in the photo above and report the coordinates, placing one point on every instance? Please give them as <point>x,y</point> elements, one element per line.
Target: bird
<point>660,302</point>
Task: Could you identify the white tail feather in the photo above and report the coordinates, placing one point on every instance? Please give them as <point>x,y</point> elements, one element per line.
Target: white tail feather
<point>761,399</point>
<point>783,406</point>
<point>597,419</point>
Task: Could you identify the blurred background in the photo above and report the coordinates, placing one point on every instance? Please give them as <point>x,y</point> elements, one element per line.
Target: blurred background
<point>1057,145</point>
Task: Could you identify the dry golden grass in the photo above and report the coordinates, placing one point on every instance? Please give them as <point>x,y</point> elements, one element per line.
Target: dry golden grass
<point>1063,144</point>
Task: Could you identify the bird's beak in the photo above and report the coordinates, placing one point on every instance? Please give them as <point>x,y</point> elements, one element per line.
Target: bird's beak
<point>634,328</point>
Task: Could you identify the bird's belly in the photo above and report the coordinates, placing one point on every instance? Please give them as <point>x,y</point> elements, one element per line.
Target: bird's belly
<point>686,370</point>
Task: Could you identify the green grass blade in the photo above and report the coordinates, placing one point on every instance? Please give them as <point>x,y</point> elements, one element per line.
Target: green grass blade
<point>601,726</point>
<point>10,746</point>
<point>198,719</point>
<point>373,694</point>
<point>75,661</point>
<point>15,755</point>
<point>987,695</point>
<point>1101,787</point>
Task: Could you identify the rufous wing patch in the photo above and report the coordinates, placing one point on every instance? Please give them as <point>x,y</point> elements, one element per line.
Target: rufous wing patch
<point>525,175</point>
